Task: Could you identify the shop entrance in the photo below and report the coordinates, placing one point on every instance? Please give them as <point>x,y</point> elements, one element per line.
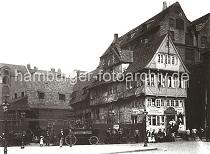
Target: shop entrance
<point>169,118</point>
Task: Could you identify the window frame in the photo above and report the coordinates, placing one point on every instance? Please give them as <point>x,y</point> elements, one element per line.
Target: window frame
<point>62,97</point>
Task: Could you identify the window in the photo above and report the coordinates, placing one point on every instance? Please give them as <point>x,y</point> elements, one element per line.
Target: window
<point>169,59</point>
<point>166,59</point>
<point>179,24</point>
<point>171,22</point>
<point>22,94</point>
<point>152,80</point>
<point>5,80</point>
<point>158,120</point>
<point>41,95</point>
<point>169,82</point>
<point>188,39</point>
<point>162,103</point>
<point>96,113</point>
<point>149,102</point>
<point>149,120</point>
<point>161,58</point>
<point>161,80</point>
<point>203,41</point>
<point>172,102</point>
<point>177,103</point>
<point>168,102</point>
<point>162,120</point>
<point>153,103</point>
<point>6,72</point>
<point>62,97</point>
<point>158,58</point>
<point>148,80</point>
<point>173,60</point>
<point>154,122</point>
<point>158,102</point>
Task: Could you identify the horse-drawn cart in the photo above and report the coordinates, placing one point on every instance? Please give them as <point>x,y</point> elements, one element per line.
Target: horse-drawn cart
<point>82,136</point>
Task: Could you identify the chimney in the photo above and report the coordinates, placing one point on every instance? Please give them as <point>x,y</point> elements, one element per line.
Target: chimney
<point>115,38</point>
<point>164,5</point>
<point>28,66</point>
<point>35,68</point>
<point>59,70</point>
<point>53,70</point>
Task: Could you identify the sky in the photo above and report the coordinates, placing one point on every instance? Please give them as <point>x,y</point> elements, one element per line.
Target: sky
<point>73,34</point>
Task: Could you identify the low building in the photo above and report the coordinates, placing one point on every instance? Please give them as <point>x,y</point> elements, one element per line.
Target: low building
<point>38,99</point>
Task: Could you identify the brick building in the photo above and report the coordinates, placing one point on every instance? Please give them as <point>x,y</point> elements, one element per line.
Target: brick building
<point>109,101</point>
<point>42,96</point>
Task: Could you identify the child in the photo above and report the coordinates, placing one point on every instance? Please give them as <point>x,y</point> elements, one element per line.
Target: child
<point>41,141</point>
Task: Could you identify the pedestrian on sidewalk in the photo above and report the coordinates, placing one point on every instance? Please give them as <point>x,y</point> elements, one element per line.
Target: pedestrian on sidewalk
<point>61,138</point>
<point>41,142</point>
<point>136,136</point>
<point>23,140</point>
<point>47,138</point>
<point>71,137</point>
<point>193,132</point>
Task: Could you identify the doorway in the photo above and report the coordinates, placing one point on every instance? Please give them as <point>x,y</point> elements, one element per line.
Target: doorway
<point>169,118</point>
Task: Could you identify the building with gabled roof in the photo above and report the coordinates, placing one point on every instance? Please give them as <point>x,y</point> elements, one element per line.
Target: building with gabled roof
<point>111,102</point>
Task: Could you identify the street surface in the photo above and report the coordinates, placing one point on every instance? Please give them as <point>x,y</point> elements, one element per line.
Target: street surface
<point>179,147</point>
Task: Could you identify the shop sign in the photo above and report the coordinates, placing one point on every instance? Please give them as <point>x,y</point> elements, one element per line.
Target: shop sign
<point>155,111</point>
<point>136,111</point>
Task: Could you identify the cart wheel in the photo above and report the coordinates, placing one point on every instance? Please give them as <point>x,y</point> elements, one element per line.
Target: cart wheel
<point>71,138</point>
<point>93,140</point>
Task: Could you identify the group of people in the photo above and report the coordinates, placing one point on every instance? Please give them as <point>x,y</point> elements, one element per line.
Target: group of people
<point>113,136</point>
<point>160,136</point>
<point>60,137</point>
<point>192,134</point>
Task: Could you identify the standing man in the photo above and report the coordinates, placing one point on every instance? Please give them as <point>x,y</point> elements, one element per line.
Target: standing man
<point>47,138</point>
<point>23,139</point>
<point>61,137</point>
<point>71,137</point>
<point>136,134</point>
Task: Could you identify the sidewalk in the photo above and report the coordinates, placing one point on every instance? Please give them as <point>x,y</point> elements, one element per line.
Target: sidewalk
<point>93,149</point>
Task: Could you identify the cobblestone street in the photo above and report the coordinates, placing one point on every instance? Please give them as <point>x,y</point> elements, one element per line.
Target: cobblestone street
<point>179,147</point>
